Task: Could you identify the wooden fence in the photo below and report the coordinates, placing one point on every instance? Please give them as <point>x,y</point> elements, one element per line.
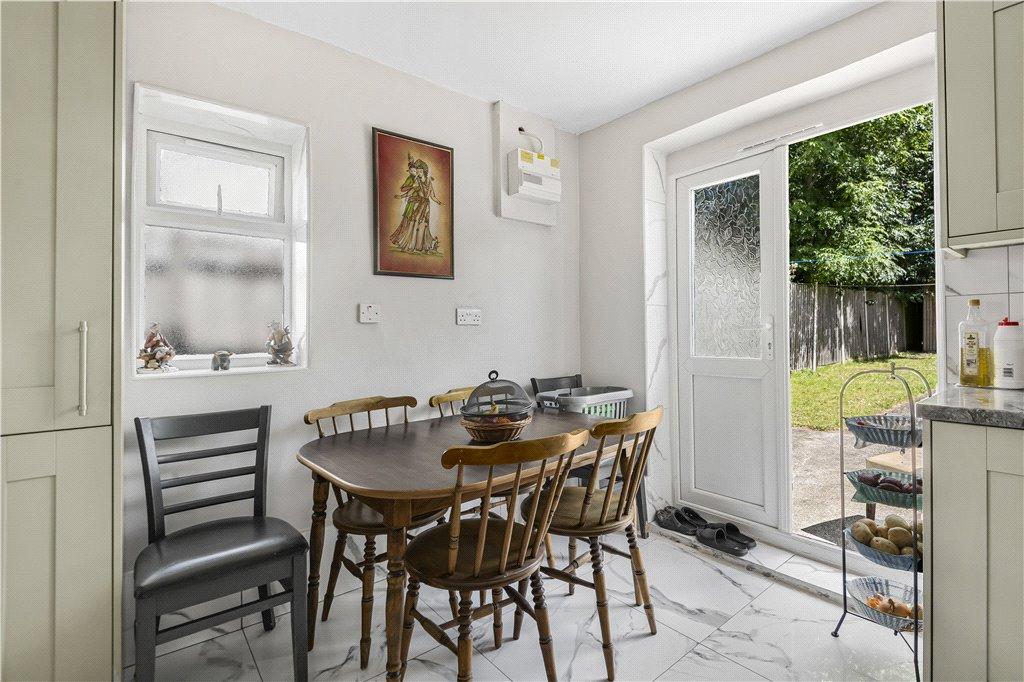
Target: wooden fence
<point>829,325</point>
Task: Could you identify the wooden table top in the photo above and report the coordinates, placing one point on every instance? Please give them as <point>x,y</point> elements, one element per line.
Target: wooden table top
<point>403,461</point>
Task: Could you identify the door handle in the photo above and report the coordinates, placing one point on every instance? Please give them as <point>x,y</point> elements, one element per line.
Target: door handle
<point>83,367</point>
<point>769,334</point>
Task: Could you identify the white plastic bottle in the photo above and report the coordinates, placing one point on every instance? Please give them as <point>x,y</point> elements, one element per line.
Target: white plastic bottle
<point>1008,355</point>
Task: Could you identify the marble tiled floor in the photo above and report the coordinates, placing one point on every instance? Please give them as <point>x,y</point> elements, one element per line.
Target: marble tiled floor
<point>715,622</point>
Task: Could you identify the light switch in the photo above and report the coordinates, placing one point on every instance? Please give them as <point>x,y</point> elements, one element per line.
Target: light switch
<point>369,313</point>
<point>468,316</point>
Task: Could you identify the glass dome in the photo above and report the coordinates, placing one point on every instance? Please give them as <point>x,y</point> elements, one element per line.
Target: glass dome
<point>497,401</point>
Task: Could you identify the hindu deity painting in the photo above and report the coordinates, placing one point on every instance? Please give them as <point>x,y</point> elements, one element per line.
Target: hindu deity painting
<point>413,216</point>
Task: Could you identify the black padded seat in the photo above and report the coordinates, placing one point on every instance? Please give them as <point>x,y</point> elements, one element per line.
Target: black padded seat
<point>361,519</point>
<point>213,548</point>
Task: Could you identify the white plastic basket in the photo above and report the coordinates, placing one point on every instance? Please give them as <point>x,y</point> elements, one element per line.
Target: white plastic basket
<point>599,401</point>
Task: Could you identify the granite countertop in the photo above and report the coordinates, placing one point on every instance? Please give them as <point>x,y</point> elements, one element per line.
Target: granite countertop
<point>982,406</point>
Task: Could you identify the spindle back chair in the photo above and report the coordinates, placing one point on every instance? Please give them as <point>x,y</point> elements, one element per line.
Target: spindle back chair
<point>471,554</point>
<point>591,511</point>
<point>352,516</point>
<point>454,399</point>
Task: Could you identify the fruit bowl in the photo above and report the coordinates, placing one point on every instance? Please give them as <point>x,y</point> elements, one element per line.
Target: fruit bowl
<point>494,429</point>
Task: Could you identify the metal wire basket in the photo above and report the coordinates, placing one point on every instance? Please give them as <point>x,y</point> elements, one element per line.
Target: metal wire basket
<point>863,588</point>
<point>866,493</point>
<point>897,561</point>
<point>885,429</point>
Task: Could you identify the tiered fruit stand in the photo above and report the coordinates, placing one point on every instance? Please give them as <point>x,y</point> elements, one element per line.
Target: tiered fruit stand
<point>899,432</point>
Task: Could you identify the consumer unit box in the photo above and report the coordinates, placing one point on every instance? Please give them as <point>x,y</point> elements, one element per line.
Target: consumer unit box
<point>534,177</point>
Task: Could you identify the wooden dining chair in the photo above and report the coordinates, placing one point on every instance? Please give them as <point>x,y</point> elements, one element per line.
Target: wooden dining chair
<point>487,553</point>
<point>591,511</point>
<point>353,517</point>
<point>215,558</point>
<point>454,399</point>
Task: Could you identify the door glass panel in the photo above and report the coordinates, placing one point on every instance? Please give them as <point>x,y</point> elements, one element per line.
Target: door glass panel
<point>726,268</point>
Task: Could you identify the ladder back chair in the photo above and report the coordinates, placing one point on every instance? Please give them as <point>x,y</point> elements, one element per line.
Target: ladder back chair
<point>591,511</point>
<point>353,517</point>
<point>488,553</point>
<point>215,558</point>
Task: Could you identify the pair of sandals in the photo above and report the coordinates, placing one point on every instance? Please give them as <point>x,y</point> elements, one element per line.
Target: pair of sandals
<point>725,537</point>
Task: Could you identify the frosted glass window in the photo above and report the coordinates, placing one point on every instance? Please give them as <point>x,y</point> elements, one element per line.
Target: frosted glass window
<point>212,291</point>
<point>212,177</point>
<point>727,270</point>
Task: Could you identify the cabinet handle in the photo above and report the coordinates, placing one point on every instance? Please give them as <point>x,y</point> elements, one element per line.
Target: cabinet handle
<point>83,370</point>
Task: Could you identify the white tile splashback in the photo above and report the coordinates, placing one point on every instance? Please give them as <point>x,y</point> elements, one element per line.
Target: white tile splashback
<point>996,277</point>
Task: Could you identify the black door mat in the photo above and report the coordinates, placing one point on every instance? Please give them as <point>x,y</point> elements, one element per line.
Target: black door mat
<point>832,530</point>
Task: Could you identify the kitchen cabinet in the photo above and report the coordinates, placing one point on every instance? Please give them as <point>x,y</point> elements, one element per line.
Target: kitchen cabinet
<point>58,543</point>
<point>974,540</point>
<point>59,476</point>
<point>981,123</point>
<point>57,215</point>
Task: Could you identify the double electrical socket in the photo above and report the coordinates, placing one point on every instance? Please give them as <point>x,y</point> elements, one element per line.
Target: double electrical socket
<point>468,316</point>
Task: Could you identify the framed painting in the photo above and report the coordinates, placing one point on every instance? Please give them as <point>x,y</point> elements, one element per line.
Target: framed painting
<point>413,216</point>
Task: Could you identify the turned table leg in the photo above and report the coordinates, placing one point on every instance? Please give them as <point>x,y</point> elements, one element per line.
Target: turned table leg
<point>395,601</point>
<point>321,489</point>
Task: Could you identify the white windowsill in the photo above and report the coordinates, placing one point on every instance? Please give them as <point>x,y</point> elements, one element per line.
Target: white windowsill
<point>189,373</point>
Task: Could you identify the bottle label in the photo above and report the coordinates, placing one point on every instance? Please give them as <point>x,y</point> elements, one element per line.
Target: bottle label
<point>972,344</point>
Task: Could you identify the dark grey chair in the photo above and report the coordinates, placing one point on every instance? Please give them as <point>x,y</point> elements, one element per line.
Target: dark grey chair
<point>216,558</point>
<point>583,473</point>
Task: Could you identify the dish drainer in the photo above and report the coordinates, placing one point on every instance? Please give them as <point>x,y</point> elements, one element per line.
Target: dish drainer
<point>880,433</point>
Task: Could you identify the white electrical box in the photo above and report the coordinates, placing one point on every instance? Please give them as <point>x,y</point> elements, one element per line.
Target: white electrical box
<point>534,176</point>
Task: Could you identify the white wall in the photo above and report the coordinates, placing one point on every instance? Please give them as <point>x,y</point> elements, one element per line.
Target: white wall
<point>624,320</point>
<point>525,277</point>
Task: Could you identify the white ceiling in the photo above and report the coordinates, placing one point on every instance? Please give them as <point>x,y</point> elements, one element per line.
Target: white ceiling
<point>579,64</point>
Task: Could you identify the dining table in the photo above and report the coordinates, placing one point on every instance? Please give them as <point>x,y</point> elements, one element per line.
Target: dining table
<point>396,470</point>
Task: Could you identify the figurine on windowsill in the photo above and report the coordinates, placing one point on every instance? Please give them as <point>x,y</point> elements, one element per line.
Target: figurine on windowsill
<point>156,352</point>
<point>279,344</point>
<point>221,360</point>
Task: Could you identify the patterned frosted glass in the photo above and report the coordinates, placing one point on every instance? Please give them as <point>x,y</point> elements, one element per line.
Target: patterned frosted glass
<point>212,291</point>
<point>727,270</point>
<point>192,180</point>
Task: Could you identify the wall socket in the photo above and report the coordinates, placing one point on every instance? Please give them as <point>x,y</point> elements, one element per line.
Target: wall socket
<point>369,313</point>
<point>468,316</point>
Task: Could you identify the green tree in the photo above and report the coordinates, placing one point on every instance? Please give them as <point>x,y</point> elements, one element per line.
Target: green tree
<point>859,198</point>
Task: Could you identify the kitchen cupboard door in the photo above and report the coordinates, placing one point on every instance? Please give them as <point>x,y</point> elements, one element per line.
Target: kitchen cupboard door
<point>974,608</point>
<point>57,214</point>
<point>982,115</point>
<point>58,548</point>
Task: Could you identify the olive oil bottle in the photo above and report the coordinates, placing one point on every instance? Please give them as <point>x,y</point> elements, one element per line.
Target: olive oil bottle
<point>975,349</point>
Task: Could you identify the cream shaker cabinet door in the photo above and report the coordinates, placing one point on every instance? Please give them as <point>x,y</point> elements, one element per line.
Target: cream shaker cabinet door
<point>57,214</point>
<point>58,548</point>
<point>982,81</point>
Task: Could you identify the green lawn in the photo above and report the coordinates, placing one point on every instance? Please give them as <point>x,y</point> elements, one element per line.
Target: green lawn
<point>815,395</point>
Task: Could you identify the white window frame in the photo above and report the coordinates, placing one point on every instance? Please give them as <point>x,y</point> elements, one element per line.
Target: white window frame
<point>288,158</point>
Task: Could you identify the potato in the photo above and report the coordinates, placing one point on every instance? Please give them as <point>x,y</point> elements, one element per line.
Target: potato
<point>862,533</point>
<point>907,551</point>
<point>901,537</point>
<point>872,526</point>
<point>895,520</point>
<point>883,545</point>
<point>919,529</point>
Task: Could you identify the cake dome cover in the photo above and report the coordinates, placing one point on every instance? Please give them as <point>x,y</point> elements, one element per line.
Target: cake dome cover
<point>498,398</point>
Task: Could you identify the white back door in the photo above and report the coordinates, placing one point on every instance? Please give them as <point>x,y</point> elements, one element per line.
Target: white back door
<point>731,283</point>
